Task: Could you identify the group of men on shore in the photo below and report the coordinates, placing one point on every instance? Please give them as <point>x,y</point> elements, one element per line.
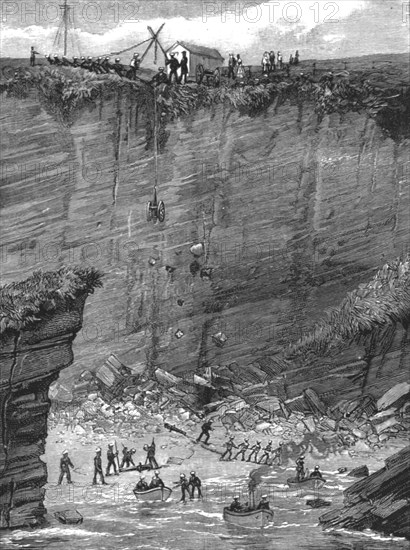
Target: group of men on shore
<point>113,465</point>
<point>268,453</point>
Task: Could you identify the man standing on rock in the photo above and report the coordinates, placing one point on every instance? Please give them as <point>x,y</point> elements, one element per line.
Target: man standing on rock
<point>111,457</point>
<point>98,468</point>
<point>195,483</point>
<point>300,468</point>
<point>266,453</point>
<point>65,465</point>
<point>230,445</point>
<point>151,455</point>
<point>255,449</point>
<point>243,447</point>
<point>206,428</point>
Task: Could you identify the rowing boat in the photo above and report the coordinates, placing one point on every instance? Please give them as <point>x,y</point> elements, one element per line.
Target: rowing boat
<point>252,519</point>
<point>310,483</point>
<point>158,493</point>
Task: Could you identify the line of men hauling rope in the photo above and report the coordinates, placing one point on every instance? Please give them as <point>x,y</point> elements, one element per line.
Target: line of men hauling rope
<point>102,65</point>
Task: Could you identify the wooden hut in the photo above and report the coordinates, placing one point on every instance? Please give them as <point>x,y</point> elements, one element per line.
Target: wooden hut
<point>209,58</point>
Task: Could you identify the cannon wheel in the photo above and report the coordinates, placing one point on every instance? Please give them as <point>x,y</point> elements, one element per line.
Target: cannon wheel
<point>149,211</point>
<point>161,211</point>
<point>217,77</point>
<point>199,73</point>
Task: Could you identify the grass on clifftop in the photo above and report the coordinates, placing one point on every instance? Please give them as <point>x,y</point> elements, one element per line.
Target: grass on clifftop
<point>65,91</point>
<point>384,301</point>
<point>25,302</point>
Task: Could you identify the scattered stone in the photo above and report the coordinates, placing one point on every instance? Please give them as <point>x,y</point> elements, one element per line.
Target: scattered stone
<point>179,334</point>
<point>342,470</point>
<point>152,261</point>
<point>360,471</point>
<point>262,426</point>
<point>373,438</point>
<point>318,503</point>
<point>393,395</point>
<point>360,434</point>
<point>385,425</point>
<point>220,339</point>
<point>206,273</point>
<point>310,424</point>
<point>79,430</point>
<point>180,302</point>
<point>382,415</point>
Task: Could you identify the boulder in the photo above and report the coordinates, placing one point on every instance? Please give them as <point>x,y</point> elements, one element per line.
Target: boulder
<point>380,428</point>
<point>393,395</point>
<point>310,424</point>
<point>360,471</point>
<point>79,430</point>
<point>262,426</point>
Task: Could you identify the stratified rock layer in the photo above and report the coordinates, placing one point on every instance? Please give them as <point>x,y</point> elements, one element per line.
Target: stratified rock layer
<point>30,360</point>
<point>380,502</point>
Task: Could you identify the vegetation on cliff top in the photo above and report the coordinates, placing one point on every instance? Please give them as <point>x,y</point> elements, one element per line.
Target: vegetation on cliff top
<point>26,302</point>
<point>382,302</point>
<point>66,91</point>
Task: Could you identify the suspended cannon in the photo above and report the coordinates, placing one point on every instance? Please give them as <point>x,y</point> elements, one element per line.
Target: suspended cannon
<point>155,209</point>
<point>211,76</point>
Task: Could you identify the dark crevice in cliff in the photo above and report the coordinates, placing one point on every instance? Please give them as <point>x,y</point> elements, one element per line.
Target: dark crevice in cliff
<point>5,404</point>
<point>117,142</point>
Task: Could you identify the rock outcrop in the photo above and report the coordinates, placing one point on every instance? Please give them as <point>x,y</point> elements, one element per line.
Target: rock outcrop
<point>380,502</point>
<point>39,320</point>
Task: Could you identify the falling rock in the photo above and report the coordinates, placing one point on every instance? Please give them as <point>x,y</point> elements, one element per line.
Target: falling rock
<point>197,249</point>
<point>262,426</point>
<point>360,471</point>
<point>394,394</point>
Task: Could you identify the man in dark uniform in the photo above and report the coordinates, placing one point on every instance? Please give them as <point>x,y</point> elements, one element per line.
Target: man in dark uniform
<point>97,66</point>
<point>184,68</point>
<point>127,457</point>
<point>184,484</point>
<point>173,65</point>
<point>272,60</point>
<point>316,474</point>
<point>230,445</point>
<point>160,77</point>
<point>83,63</point>
<point>277,454</point>
<point>255,449</point>
<point>151,455</point>
<point>75,62</point>
<point>118,67</point>
<point>300,468</point>
<point>135,64</point>
<point>243,447</point>
<point>49,59</point>
<point>266,453</point>
<point>156,481</point>
<point>105,65</point>
<point>231,66</point>
<point>195,483</point>
<point>56,60</point>
<point>98,468</point>
<point>33,54</point>
<point>65,465</point>
<point>111,457</point>
<point>296,59</point>
<point>142,485</point>
<point>235,506</point>
<point>206,428</point>
<point>65,62</point>
<point>264,503</point>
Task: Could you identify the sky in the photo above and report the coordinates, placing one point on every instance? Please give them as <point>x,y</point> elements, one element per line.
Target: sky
<point>321,29</point>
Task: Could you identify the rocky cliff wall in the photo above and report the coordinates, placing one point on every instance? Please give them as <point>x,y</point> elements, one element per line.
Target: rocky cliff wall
<point>293,213</point>
<point>31,358</point>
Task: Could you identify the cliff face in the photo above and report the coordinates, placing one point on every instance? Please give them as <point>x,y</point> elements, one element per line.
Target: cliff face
<point>379,502</point>
<point>293,213</point>
<point>31,357</point>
